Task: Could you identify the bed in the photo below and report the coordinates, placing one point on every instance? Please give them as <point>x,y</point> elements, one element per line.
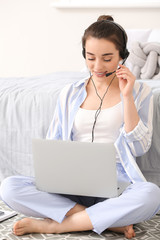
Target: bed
<point>26,109</point>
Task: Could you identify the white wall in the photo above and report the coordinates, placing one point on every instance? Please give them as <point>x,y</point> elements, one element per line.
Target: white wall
<point>36,38</point>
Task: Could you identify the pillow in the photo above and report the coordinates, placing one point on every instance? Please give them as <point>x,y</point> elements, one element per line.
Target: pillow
<point>154,36</point>
<point>145,59</point>
<point>137,35</point>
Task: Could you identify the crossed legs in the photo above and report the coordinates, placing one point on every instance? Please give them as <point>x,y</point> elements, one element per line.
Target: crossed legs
<point>76,220</point>
<point>139,202</point>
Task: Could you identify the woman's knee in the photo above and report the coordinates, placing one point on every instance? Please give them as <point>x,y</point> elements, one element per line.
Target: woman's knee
<point>151,197</point>
<point>10,186</point>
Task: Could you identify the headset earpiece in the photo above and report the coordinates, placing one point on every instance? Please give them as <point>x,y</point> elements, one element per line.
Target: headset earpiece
<point>124,54</point>
<point>84,52</point>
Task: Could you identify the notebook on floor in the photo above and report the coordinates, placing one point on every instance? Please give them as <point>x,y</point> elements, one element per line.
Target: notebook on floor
<point>76,168</point>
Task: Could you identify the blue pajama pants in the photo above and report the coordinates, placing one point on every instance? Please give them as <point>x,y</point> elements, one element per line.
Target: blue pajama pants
<point>140,201</point>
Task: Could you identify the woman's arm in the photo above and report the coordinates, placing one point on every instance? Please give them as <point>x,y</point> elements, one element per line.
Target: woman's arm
<point>54,128</point>
<point>131,117</point>
<point>126,84</point>
<point>138,113</point>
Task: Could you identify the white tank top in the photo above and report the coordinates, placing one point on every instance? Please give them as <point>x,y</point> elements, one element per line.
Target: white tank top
<point>107,126</point>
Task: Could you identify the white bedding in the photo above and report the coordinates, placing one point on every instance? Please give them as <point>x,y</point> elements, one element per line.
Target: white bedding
<point>26,109</point>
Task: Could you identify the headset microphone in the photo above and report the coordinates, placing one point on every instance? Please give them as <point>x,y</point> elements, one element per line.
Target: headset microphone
<point>110,73</point>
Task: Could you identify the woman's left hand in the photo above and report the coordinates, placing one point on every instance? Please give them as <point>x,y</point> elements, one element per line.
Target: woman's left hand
<point>126,80</point>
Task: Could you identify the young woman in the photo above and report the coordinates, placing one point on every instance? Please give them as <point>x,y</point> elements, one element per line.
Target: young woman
<point>109,106</point>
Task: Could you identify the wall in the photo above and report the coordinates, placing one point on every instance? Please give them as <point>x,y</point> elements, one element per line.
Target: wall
<point>36,38</point>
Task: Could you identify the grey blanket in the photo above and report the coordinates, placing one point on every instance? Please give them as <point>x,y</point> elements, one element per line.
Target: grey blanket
<point>145,58</point>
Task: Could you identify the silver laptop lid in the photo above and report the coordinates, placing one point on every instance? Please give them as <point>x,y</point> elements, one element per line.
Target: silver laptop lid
<point>76,168</point>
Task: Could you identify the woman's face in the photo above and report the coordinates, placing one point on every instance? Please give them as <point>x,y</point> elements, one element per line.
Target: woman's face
<point>101,57</point>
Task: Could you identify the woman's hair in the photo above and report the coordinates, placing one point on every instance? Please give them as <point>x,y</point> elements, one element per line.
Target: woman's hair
<point>106,28</point>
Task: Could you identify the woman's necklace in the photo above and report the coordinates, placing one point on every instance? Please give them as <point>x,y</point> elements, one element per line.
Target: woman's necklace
<point>100,106</point>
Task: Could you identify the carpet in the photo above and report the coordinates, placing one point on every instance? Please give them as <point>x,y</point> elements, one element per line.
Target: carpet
<point>147,230</point>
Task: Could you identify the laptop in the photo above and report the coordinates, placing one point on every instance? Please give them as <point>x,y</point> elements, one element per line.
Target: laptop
<point>4,215</point>
<point>76,168</point>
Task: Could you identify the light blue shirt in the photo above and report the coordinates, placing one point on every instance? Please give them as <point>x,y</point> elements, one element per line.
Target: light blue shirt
<point>128,145</point>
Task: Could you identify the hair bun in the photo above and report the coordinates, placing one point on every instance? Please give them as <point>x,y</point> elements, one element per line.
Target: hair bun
<point>105,17</point>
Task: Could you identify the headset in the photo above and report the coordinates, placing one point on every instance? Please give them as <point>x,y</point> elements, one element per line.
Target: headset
<point>125,53</point>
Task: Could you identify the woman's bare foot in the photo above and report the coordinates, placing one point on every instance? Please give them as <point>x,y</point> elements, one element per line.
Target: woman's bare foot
<point>127,230</point>
<point>30,225</point>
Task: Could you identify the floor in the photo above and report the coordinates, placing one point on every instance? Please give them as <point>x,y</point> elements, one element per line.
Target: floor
<point>148,230</point>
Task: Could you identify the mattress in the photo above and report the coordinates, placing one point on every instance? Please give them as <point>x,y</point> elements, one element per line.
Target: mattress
<point>26,108</point>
